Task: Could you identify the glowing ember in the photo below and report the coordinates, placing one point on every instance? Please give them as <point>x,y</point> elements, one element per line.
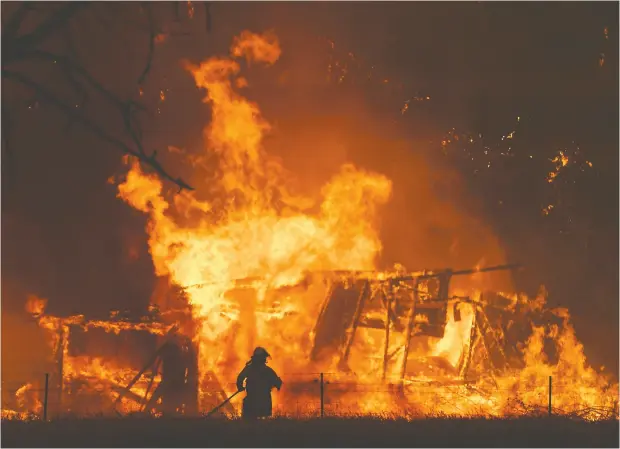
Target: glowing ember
<point>560,161</point>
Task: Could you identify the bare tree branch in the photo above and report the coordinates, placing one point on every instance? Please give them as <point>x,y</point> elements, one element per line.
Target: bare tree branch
<point>29,48</point>
<point>92,126</point>
<point>50,26</point>
<point>73,57</point>
<point>79,70</point>
<point>152,34</point>
<point>15,21</point>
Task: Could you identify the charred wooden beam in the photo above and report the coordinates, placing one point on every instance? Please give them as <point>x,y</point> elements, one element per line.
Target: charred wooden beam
<point>387,333</point>
<point>129,394</point>
<point>494,347</point>
<point>148,388</point>
<point>410,324</point>
<point>471,271</point>
<point>324,304</point>
<point>468,353</point>
<point>63,342</point>
<point>373,276</point>
<point>353,327</point>
<point>388,299</point>
<point>148,365</point>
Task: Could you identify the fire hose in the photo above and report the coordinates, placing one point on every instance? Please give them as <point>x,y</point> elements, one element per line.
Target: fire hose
<point>223,403</point>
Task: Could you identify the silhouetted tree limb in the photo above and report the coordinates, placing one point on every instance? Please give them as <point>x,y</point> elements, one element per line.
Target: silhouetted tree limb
<point>149,58</point>
<point>92,126</point>
<point>52,25</point>
<point>31,47</point>
<point>11,28</point>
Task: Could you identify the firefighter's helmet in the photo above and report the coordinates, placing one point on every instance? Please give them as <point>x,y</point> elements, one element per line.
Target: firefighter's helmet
<point>260,353</point>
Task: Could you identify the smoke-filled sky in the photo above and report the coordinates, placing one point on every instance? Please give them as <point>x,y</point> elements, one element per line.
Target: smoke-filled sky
<point>481,68</point>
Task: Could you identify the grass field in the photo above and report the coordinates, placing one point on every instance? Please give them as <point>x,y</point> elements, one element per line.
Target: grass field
<point>328,432</point>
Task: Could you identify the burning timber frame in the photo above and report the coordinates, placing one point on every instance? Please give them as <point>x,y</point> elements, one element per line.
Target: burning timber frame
<point>348,303</point>
<point>188,383</point>
<point>363,287</point>
<point>154,327</point>
<point>389,291</point>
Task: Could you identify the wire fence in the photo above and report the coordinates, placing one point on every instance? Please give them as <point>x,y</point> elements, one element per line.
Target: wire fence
<point>307,395</point>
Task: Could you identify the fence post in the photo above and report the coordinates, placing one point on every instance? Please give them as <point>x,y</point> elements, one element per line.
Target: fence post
<point>550,388</point>
<point>322,403</point>
<point>47,377</point>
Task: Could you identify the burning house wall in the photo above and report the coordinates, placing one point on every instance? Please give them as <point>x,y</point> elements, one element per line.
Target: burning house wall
<point>245,221</point>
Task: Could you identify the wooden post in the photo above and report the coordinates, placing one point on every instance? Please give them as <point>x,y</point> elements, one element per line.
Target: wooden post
<point>387,334</point>
<point>65,334</point>
<point>47,378</point>
<point>319,321</point>
<point>60,355</point>
<point>353,327</point>
<point>473,336</point>
<point>328,295</point>
<point>322,401</point>
<point>410,327</point>
<point>550,387</point>
<point>148,365</point>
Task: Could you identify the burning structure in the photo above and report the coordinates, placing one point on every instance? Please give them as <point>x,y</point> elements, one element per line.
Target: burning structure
<point>408,332</point>
<point>245,261</point>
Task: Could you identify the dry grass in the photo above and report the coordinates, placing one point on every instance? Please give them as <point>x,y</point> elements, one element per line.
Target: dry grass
<point>328,432</point>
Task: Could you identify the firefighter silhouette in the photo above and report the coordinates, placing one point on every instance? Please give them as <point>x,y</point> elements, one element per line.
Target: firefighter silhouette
<point>259,379</point>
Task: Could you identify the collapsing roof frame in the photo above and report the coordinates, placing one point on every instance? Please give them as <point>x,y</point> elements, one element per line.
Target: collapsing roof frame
<point>385,286</point>
<point>149,399</point>
<point>62,327</point>
<point>371,283</point>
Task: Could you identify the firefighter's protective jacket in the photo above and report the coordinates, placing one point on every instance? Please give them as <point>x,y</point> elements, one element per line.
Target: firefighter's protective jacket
<point>259,379</point>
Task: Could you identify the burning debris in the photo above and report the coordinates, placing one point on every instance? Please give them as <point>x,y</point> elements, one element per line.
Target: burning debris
<point>259,263</point>
<point>411,333</point>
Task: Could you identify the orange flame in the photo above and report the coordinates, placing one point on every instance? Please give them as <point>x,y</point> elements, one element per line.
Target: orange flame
<point>243,244</point>
<point>255,227</point>
<point>263,231</point>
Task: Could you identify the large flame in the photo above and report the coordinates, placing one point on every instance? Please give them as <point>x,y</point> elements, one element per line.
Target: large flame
<point>261,229</point>
<point>253,226</point>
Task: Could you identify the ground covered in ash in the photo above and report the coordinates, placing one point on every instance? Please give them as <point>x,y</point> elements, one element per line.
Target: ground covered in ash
<point>328,432</point>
